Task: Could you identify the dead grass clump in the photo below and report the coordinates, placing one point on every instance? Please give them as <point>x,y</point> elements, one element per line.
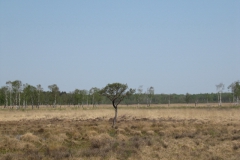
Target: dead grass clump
<point>74,134</point>
<point>56,153</point>
<point>236,137</point>
<point>100,140</point>
<point>125,152</point>
<point>41,130</point>
<point>8,156</point>
<point>29,137</point>
<point>138,141</point>
<point>122,137</point>
<point>57,138</point>
<point>161,133</point>
<point>91,133</point>
<point>32,154</point>
<point>136,132</point>
<point>100,145</point>
<point>164,144</point>
<point>8,144</point>
<point>150,132</point>
<point>236,146</point>
<point>61,153</point>
<point>121,131</point>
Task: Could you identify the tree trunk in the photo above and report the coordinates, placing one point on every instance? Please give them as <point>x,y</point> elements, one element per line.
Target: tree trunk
<point>169,101</point>
<point>16,100</point>
<point>32,103</point>
<point>38,101</point>
<point>10,99</point>
<point>5,102</point>
<point>55,101</point>
<point>115,117</point>
<point>220,99</point>
<point>19,99</point>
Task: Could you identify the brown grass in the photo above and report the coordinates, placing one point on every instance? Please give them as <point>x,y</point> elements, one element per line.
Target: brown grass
<point>155,133</point>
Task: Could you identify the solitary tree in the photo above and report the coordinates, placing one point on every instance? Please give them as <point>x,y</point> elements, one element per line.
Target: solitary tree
<point>116,92</point>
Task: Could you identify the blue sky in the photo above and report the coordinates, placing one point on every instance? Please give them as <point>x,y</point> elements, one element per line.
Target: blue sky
<point>174,46</point>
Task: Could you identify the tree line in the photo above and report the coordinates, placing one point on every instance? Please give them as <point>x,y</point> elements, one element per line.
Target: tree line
<point>20,95</point>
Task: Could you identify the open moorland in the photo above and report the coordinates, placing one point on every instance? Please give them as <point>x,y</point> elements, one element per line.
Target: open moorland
<point>158,132</point>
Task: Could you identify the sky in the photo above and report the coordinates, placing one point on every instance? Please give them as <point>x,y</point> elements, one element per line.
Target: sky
<point>174,46</point>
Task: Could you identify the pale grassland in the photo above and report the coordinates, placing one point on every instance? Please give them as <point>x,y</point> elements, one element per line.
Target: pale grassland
<point>132,112</point>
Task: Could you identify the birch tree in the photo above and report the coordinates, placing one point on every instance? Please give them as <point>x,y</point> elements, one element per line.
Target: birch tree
<point>150,94</point>
<point>29,95</point>
<point>91,95</point>
<point>138,95</point>
<point>95,95</point>
<point>235,89</point>
<point>39,91</point>
<point>83,96</point>
<point>17,88</point>
<point>25,95</point>
<point>76,94</point>
<point>54,90</point>
<point>220,88</point>
<point>9,86</point>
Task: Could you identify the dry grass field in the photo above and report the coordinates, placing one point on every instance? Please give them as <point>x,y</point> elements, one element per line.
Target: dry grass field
<point>159,132</point>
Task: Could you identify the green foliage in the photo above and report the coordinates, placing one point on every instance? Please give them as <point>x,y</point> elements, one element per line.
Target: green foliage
<point>2,96</point>
<point>236,89</point>
<point>116,92</point>
<point>95,96</point>
<point>30,94</point>
<point>36,96</point>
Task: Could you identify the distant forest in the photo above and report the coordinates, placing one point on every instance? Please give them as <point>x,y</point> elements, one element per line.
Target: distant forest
<point>15,93</point>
